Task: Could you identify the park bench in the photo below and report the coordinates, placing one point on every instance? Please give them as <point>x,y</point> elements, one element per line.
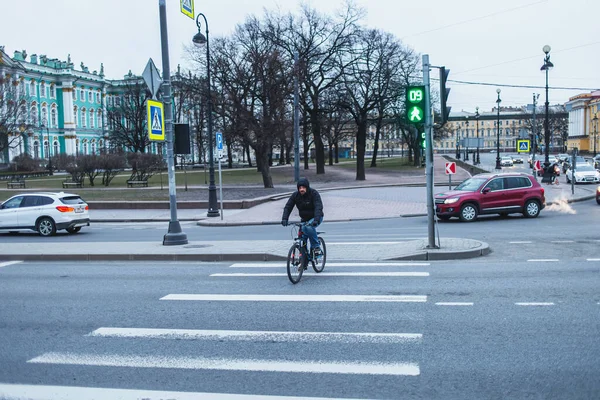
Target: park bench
<point>20,184</point>
<point>70,183</point>
<point>143,183</point>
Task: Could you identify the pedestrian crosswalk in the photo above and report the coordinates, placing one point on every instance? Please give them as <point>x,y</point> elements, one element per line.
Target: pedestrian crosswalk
<point>232,348</point>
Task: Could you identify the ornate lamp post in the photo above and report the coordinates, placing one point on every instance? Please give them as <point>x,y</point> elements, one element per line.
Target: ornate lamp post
<point>546,67</point>
<point>200,40</point>
<point>498,166</point>
<point>477,161</point>
<point>457,145</point>
<point>467,141</point>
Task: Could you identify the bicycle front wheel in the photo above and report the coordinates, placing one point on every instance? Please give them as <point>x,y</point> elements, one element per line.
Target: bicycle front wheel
<point>295,263</point>
<point>319,263</point>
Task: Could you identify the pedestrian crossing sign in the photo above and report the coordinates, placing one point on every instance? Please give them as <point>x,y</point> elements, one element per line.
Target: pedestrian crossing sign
<point>523,146</point>
<point>156,120</point>
<point>187,8</point>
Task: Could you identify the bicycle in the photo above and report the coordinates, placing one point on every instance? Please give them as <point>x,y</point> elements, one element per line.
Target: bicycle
<point>299,255</point>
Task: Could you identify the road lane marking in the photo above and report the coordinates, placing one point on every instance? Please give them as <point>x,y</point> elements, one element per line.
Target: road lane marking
<point>534,304</point>
<point>45,392</point>
<point>265,336</point>
<point>562,241</point>
<point>332,264</point>
<point>593,259</point>
<point>359,242</point>
<point>543,260</point>
<point>331,274</point>
<point>7,263</point>
<point>228,364</point>
<point>450,303</point>
<point>521,242</point>
<point>295,298</point>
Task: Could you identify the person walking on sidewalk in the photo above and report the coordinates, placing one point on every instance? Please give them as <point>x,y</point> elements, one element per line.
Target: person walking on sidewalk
<point>310,207</point>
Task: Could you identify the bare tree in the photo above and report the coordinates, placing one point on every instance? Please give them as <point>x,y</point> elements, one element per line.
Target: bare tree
<point>13,113</point>
<point>319,40</point>
<point>127,119</point>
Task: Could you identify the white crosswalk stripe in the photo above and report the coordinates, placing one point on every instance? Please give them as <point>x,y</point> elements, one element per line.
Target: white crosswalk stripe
<point>282,264</point>
<point>295,298</point>
<point>330,274</point>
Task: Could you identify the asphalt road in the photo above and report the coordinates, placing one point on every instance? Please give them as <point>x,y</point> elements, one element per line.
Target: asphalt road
<point>564,232</point>
<point>481,328</point>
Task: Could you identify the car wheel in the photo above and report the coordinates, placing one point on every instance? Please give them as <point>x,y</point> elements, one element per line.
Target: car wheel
<point>468,212</point>
<point>74,230</point>
<point>46,227</point>
<point>532,209</point>
<point>598,201</point>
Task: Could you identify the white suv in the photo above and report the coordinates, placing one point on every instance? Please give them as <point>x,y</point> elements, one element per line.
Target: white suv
<point>44,213</point>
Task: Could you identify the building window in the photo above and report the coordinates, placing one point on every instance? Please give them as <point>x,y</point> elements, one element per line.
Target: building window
<point>43,89</point>
<point>53,117</point>
<point>90,96</point>
<point>85,146</point>
<point>76,116</point>
<point>97,97</point>
<point>93,146</point>
<point>117,101</point>
<point>36,149</point>
<point>32,88</point>
<point>53,91</point>
<point>83,118</point>
<point>92,118</point>
<point>33,115</point>
<point>82,95</point>
<point>74,95</point>
<point>44,121</point>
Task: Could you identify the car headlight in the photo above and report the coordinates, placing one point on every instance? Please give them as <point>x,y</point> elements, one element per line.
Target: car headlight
<point>451,200</point>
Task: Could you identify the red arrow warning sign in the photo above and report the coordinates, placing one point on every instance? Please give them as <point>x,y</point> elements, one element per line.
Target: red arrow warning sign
<point>537,166</point>
<point>450,168</point>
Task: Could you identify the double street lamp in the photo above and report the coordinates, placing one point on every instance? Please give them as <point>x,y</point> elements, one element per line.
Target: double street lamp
<point>546,67</point>
<point>457,145</point>
<point>476,160</point>
<point>199,40</point>
<point>498,165</point>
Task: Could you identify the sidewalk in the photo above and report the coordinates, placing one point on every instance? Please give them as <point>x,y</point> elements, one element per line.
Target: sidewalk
<point>383,199</point>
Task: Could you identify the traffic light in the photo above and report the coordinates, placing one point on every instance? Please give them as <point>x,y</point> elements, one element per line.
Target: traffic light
<point>422,140</point>
<point>444,92</point>
<point>415,104</point>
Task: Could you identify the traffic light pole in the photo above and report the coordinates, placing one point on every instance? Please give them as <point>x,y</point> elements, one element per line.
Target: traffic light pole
<point>429,155</point>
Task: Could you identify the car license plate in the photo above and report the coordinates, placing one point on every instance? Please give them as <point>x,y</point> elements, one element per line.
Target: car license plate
<point>79,209</point>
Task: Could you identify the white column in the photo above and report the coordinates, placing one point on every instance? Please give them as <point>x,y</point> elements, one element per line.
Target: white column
<point>69,119</point>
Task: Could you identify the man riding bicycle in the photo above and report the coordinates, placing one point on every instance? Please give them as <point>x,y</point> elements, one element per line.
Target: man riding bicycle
<point>310,207</point>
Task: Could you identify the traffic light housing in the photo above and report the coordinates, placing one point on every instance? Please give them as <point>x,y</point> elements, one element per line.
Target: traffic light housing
<point>415,104</point>
<point>444,92</point>
<point>422,140</point>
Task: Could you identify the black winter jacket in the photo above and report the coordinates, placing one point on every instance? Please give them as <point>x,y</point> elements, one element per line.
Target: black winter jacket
<point>309,206</point>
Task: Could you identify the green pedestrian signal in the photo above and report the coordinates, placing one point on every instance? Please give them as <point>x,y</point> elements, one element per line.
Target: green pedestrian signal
<point>415,104</point>
<point>423,140</point>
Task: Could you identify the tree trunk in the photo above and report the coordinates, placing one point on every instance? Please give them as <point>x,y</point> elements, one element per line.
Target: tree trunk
<point>375,150</point>
<point>229,156</point>
<point>337,152</point>
<point>282,152</point>
<point>264,156</point>
<point>248,155</point>
<point>330,153</point>
<point>318,140</point>
<point>361,141</point>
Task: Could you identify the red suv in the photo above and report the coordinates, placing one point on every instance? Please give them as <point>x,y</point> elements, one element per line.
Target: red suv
<point>502,193</point>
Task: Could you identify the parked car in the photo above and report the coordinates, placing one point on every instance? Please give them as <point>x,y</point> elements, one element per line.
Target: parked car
<point>44,213</point>
<point>584,173</point>
<point>598,195</point>
<point>517,159</point>
<point>503,193</point>
<point>506,161</point>
<point>562,157</point>
<point>596,161</point>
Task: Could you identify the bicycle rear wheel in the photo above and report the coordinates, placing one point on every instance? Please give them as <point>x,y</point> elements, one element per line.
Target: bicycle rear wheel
<point>295,263</point>
<point>319,264</point>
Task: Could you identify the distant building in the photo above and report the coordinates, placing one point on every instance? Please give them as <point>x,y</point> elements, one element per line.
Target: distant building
<point>583,122</point>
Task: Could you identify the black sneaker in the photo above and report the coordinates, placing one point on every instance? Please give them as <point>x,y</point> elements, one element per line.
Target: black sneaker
<point>318,252</point>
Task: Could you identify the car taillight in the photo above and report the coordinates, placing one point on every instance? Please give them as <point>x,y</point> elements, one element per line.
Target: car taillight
<point>87,208</point>
<point>65,209</point>
<point>543,191</point>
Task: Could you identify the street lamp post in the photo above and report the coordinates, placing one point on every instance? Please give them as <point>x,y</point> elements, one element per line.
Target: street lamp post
<point>595,119</point>
<point>477,161</point>
<point>49,151</point>
<point>467,141</point>
<point>200,40</point>
<point>498,166</point>
<point>546,67</point>
<point>457,145</point>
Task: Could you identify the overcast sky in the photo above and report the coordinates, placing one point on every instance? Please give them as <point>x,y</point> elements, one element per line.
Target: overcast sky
<point>497,42</point>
